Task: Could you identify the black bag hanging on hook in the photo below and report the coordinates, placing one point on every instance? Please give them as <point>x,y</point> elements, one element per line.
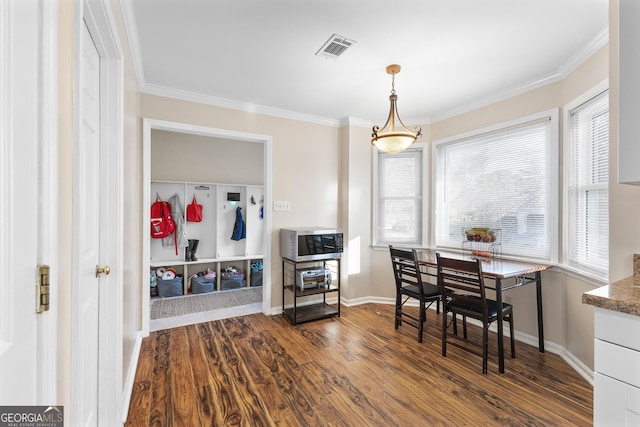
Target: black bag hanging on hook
<point>239,231</point>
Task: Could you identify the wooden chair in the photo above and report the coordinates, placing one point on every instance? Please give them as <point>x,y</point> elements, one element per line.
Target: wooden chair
<point>409,284</point>
<point>463,293</point>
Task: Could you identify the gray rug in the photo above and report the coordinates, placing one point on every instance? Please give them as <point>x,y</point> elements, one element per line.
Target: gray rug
<point>178,306</point>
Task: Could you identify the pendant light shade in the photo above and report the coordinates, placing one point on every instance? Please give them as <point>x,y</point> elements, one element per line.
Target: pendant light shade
<point>394,135</point>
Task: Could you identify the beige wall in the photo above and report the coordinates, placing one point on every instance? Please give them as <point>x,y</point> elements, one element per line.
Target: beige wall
<point>132,273</point>
<point>197,158</point>
<point>624,210</point>
<point>355,211</point>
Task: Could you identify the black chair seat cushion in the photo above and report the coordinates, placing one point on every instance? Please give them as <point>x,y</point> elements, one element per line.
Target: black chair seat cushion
<point>471,308</point>
<point>430,291</point>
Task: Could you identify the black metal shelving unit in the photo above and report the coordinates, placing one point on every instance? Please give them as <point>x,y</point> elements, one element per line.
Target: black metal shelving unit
<point>311,310</point>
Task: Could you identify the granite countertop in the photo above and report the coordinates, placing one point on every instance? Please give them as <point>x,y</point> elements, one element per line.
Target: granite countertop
<point>622,296</point>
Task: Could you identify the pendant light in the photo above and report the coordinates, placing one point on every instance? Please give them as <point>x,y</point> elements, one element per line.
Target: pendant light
<point>394,135</point>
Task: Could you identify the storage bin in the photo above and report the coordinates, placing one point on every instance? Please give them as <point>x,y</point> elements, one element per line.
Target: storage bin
<point>170,288</point>
<point>231,282</point>
<point>201,285</point>
<point>256,278</point>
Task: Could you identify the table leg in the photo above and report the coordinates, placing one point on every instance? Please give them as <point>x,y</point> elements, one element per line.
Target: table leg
<point>500,327</point>
<point>540,321</point>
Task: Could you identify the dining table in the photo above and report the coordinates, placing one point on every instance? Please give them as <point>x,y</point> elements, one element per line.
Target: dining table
<point>506,274</point>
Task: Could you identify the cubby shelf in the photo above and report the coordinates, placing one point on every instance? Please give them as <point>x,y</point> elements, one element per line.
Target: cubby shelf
<point>216,249</point>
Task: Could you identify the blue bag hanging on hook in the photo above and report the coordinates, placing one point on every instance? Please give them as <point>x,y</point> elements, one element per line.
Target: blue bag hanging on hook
<point>239,231</point>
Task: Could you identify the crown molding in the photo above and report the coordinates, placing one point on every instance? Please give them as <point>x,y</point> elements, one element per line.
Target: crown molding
<point>132,36</point>
<point>562,72</point>
<point>355,121</point>
<point>237,105</point>
<point>585,53</point>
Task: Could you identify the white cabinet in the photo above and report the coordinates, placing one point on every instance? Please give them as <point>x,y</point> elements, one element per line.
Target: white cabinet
<point>629,105</point>
<point>216,248</point>
<point>616,394</point>
<point>618,402</point>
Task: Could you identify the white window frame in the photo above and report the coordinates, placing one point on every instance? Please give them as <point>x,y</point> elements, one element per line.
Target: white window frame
<point>422,222</point>
<point>566,260</point>
<point>553,203</point>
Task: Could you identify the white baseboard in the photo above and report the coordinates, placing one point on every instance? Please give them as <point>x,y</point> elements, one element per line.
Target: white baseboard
<point>131,376</point>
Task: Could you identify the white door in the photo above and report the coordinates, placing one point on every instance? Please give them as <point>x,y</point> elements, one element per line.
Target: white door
<point>96,299</point>
<point>26,338</point>
<point>87,208</point>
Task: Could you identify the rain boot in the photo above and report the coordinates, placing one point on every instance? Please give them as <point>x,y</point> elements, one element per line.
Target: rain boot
<point>193,244</point>
<point>187,251</point>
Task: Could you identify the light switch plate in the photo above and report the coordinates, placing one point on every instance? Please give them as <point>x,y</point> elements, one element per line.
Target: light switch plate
<point>281,205</point>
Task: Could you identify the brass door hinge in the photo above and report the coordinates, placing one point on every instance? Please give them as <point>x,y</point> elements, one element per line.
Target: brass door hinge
<point>42,289</point>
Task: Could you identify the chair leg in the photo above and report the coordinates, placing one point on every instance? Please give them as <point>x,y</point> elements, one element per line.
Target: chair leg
<point>443,329</point>
<point>422,319</point>
<point>455,324</point>
<point>485,348</point>
<point>513,343</point>
<point>398,319</point>
<point>464,326</point>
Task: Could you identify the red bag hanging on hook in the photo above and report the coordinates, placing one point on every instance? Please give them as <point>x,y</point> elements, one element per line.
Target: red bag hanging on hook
<point>162,224</point>
<point>194,211</point>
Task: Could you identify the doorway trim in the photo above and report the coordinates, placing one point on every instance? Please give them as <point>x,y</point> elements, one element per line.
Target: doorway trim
<point>37,91</point>
<point>101,25</point>
<point>152,124</point>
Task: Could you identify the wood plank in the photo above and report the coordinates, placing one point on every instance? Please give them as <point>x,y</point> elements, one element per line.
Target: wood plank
<point>140,404</point>
<point>161,411</point>
<point>197,358</point>
<point>182,380</point>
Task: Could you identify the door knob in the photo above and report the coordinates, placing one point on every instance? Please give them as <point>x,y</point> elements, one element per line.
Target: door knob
<point>102,270</point>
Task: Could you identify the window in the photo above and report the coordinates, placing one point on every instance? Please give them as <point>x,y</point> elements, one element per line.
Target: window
<point>504,178</point>
<point>587,186</point>
<point>399,182</point>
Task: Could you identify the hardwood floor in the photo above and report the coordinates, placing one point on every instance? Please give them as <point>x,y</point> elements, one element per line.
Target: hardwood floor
<point>355,370</point>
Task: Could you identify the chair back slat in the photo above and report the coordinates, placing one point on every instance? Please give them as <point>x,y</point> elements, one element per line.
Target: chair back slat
<point>406,269</point>
<point>462,278</point>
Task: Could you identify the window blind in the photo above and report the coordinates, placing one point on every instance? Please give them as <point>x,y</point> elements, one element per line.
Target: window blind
<point>499,180</point>
<point>399,204</point>
<point>588,186</point>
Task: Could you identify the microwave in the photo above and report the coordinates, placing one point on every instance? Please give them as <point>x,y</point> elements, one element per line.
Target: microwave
<point>311,244</point>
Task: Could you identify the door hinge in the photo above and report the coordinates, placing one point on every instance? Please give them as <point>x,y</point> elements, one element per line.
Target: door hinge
<point>42,289</point>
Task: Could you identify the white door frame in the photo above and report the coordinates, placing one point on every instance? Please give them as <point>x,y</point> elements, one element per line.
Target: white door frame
<point>40,54</point>
<point>99,20</point>
<point>153,124</point>
<point>48,221</point>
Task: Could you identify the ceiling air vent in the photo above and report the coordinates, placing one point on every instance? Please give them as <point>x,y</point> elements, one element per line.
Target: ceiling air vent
<point>335,46</point>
